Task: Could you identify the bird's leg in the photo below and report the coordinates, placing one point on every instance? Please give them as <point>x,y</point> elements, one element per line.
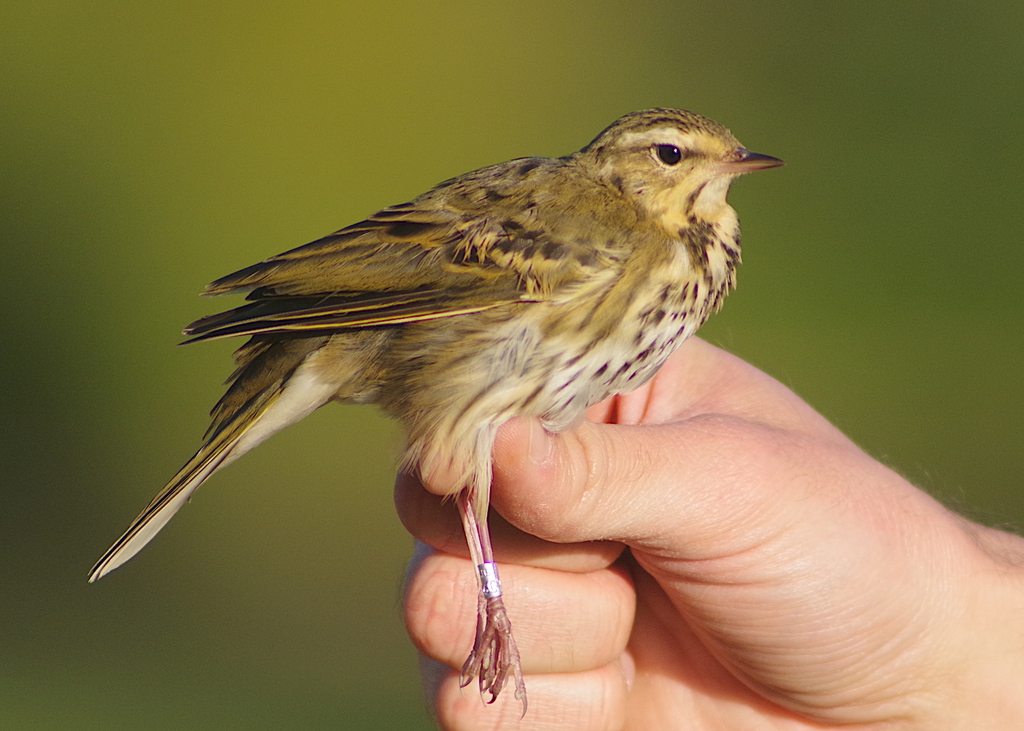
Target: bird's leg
<point>494,657</point>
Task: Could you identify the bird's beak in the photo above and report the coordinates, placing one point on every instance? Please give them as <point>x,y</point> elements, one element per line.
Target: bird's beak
<point>747,161</point>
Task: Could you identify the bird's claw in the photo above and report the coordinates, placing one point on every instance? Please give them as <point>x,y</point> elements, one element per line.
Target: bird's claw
<point>495,658</point>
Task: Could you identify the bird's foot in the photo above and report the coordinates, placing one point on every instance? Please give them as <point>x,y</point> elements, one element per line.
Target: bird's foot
<point>494,659</point>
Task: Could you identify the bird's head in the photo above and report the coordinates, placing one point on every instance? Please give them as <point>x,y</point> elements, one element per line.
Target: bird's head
<point>676,166</point>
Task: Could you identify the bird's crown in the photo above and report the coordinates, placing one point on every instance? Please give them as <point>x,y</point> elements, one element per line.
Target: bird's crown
<point>694,132</point>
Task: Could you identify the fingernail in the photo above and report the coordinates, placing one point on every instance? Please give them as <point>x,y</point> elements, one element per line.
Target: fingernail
<point>628,666</point>
<point>541,443</point>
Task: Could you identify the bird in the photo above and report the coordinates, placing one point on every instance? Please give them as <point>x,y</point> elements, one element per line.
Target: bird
<point>532,288</point>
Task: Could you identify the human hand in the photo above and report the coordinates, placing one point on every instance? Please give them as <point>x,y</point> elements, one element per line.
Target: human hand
<point>777,577</point>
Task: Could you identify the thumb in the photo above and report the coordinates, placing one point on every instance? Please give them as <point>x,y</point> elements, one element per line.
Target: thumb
<point>660,487</point>
<point>703,487</point>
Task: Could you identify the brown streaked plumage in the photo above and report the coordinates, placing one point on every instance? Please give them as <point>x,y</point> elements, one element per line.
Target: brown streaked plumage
<point>535,288</point>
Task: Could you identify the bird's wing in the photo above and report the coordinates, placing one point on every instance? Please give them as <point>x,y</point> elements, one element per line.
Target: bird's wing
<point>318,314</point>
<point>406,263</point>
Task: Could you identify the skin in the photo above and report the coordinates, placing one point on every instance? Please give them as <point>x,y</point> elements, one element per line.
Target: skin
<point>710,553</point>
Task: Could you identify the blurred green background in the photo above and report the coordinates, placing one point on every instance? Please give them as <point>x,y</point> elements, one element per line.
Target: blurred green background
<point>150,148</point>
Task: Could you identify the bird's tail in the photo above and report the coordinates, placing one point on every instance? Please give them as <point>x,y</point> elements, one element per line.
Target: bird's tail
<point>275,386</point>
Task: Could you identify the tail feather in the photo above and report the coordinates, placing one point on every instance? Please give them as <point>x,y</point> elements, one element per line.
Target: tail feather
<point>297,392</point>
<point>163,507</point>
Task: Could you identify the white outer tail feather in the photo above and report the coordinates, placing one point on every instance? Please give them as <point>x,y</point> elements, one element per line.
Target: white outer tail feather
<point>303,394</point>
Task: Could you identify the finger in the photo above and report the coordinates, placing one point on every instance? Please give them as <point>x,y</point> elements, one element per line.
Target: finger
<point>563,622</point>
<point>589,701</point>
<point>689,484</point>
<point>435,521</point>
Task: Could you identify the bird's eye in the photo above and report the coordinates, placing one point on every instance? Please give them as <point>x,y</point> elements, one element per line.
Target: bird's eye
<point>669,154</point>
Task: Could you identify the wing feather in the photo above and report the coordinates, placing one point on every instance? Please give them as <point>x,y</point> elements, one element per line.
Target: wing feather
<point>438,256</point>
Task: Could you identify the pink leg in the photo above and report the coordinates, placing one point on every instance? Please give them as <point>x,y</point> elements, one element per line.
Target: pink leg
<point>494,657</point>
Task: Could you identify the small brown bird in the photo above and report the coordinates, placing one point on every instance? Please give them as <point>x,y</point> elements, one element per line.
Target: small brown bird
<point>533,288</point>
